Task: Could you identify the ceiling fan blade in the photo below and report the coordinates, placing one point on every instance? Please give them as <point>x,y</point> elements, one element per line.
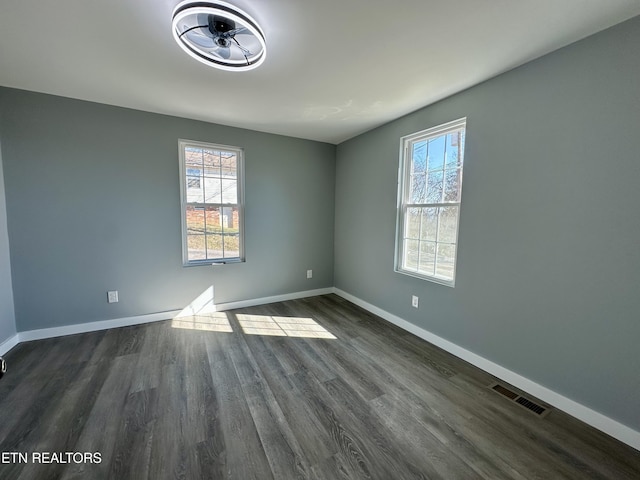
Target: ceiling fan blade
<point>238,31</point>
<point>203,19</point>
<point>222,52</point>
<point>197,37</point>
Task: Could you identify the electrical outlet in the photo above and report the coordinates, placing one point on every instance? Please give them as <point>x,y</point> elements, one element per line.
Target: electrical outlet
<point>414,301</point>
<point>112,297</point>
<point>309,273</point>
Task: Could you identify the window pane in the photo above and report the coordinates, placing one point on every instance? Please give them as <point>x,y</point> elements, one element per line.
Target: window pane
<point>211,160</point>
<point>229,190</point>
<point>229,165</point>
<point>195,220</point>
<point>436,153</point>
<point>194,190</point>
<point>195,247</point>
<point>445,260</point>
<point>427,257</point>
<point>452,185</point>
<point>230,219</point>
<point>213,220</point>
<point>429,224</point>
<point>214,246</point>
<point>434,187</point>
<point>418,188</point>
<point>212,190</point>
<point>412,223</point>
<point>410,254</point>
<point>231,245</point>
<point>193,157</point>
<point>448,224</point>
<point>194,183</point>
<point>454,141</point>
<point>419,157</point>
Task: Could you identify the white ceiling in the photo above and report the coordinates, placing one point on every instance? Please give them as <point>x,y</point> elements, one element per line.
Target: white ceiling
<point>334,68</point>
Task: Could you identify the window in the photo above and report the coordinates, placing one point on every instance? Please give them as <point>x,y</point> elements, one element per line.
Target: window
<point>211,181</point>
<point>429,194</point>
<point>193,177</point>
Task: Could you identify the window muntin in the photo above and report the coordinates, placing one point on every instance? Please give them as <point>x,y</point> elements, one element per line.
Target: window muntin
<point>211,181</point>
<point>429,196</point>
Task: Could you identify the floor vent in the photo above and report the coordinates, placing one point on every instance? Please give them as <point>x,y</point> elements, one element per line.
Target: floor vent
<point>520,400</point>
<point>534,407</point>
<point>505,391</point>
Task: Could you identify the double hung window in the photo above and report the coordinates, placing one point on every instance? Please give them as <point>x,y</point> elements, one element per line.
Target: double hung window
<point>212,203</point>
<point>429,197</point>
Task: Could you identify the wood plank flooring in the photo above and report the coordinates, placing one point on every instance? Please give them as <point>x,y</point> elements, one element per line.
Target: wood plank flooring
<point>161,402</point>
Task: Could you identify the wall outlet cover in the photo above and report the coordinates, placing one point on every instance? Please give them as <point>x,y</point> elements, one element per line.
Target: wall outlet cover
<point>112,296</point>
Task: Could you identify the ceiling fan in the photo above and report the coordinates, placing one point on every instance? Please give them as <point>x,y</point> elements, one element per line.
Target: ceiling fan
<point>219,34</point>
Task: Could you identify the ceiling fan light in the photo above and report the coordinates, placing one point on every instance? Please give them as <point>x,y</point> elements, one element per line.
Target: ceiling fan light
<point>225,23</point>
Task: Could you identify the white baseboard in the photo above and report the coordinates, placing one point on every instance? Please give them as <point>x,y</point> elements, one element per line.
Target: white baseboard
<point>597,420</point>
<point>9,343</point>
<point>43,333</point>
<point>94,326</point>
<point>221,307</point>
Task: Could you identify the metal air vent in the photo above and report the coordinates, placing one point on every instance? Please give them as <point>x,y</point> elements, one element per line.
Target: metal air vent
<point>524,402</point>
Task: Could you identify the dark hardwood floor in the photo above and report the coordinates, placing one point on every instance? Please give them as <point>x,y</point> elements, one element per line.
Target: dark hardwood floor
<point>262,392</point>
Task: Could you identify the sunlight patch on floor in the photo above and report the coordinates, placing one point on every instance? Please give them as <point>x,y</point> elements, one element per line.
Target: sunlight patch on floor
<point>201,314</point>
<point>303,327</point>
<point>210,322</point>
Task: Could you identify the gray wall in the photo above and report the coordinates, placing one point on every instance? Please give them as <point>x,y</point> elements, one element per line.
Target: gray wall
<point>7,314</point>
<point>549,260</point>
<point>93,204</point>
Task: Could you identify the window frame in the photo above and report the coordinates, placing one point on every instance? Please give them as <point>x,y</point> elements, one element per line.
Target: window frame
<point>404,191</point>
<point>182,146</point>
